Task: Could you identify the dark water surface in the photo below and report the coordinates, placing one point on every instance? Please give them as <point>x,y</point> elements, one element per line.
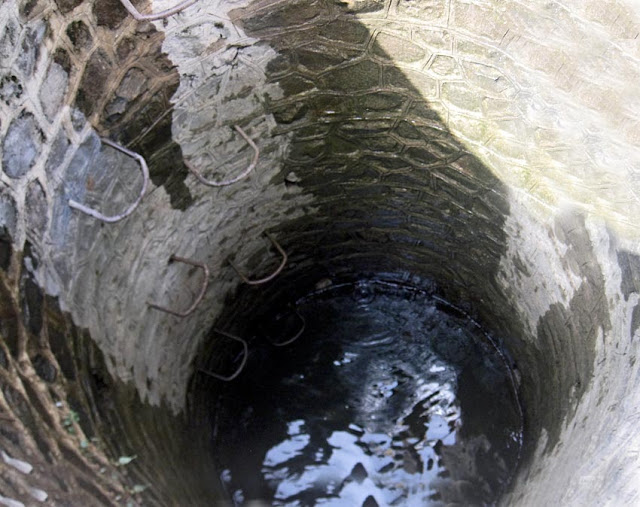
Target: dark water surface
<point>389,397</point>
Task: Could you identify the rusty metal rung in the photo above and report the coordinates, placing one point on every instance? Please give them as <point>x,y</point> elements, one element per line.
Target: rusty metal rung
<point>245,356</point>
<point>158,15</point>
<point>198,299</point>
<point>266,279</point>
<point>116,218</point>
<point>244,174</point>
<point>295,337</point>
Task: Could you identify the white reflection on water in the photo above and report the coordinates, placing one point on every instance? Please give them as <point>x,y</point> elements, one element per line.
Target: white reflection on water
<point>386,466</point>
<point>289,448</point>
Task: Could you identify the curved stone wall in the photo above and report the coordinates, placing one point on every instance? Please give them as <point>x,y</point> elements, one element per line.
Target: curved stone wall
<point>488,147</point>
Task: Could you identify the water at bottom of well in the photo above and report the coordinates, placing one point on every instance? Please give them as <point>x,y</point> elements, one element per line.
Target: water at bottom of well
<point>387,398</point>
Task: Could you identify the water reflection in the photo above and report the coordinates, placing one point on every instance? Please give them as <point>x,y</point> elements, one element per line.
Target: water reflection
<point>385,400</point>
<point>362,464</point>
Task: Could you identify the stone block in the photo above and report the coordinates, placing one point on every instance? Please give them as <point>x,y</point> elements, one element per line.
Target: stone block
<point>10,89</point>
<point>345,31</point>
<point>57,153</point>
<point>53,90</point>
<point>425,10</point>
<point>283,15</point>
<point>488,78</point>
<point>21,145</point>
<point>6,249</point>
<point>94,79</point>
<point>313,60</point>
<point>422,156</point>
<point>289,113</point>
<point>481,20</point>
<point>360,76</point>
<point>8,213</point>
<point>79,35</point>
<point>66,6</point>
<point>31,8</point>
<point>412,81</point>
<point>133,84</point>
<point>74,187</point>
<point>109,13</point>
<point>407,131</point>
<point>76,173</point>
<point>125,47</point>
<point>31,299</point>
<point>78,119</point>
<point>380,101</point>
<point>62,58</point>
<point>461,97</point>
<point>36,208</point>
<point>8,42</point>
<point>30,48</point>
<point>397,49</point>
<point>294,85</point>
<point>445,65</point>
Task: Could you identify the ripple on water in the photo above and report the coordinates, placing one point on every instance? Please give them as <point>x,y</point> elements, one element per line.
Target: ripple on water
<point>386,399</point>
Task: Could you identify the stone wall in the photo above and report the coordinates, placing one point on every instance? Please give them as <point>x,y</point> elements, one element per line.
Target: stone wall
<point>490,147</point>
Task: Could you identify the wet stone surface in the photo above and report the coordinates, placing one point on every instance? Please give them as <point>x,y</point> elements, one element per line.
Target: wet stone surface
<point>389,397</point>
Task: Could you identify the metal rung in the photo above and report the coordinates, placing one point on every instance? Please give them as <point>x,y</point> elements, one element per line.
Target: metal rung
<point>203,289</point>
<point>159,15</point>
<point>297,335</point>
<point>272,275</point>
<point>231,181</point>
<point>130,209</point>
<point>245,355</point>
